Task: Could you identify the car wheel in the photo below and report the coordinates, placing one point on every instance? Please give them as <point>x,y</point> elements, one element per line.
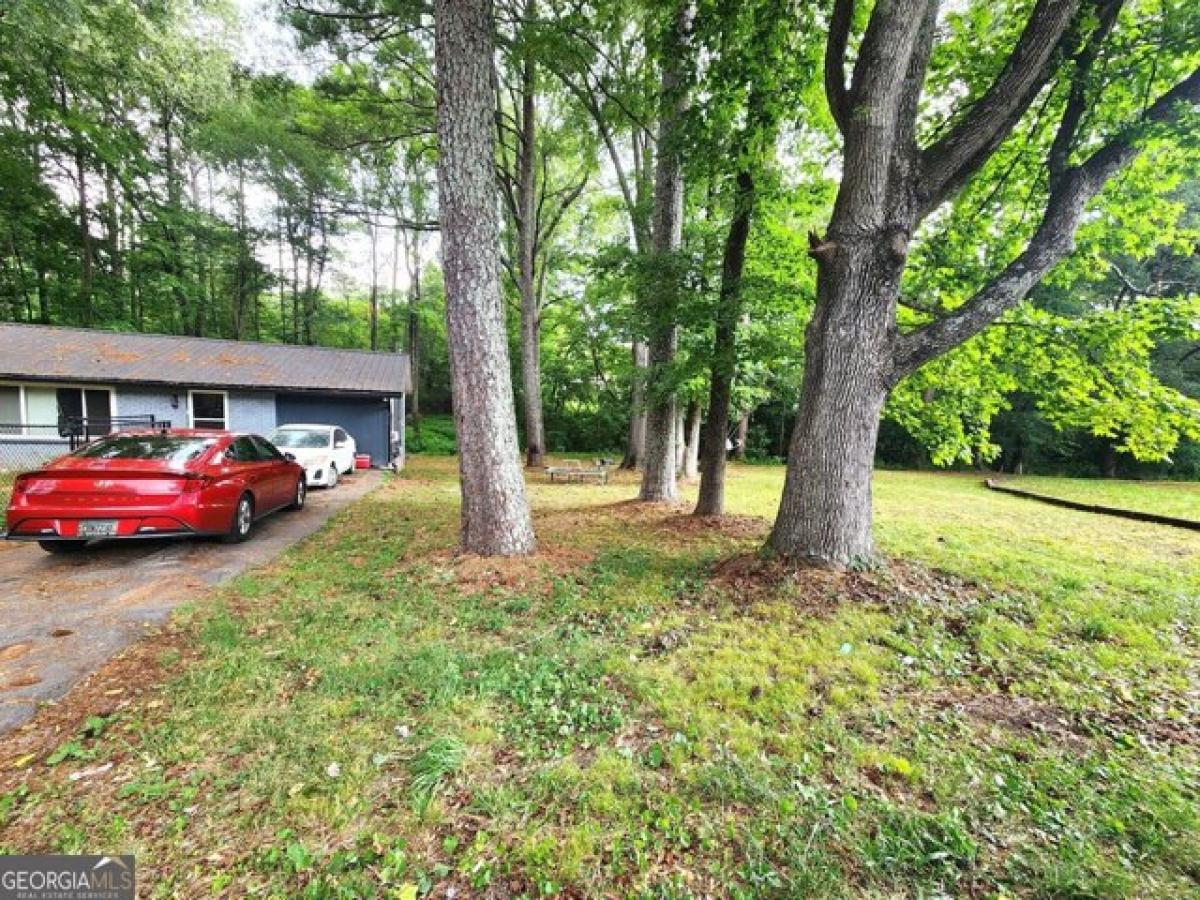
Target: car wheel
<point>300,494</point>
<point>243,519</point>
<point>62,546</point>
<point>331,480</point>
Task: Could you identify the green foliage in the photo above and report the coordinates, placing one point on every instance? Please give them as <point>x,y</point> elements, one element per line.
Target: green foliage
<point>219,196</point>
<point>436,436</point>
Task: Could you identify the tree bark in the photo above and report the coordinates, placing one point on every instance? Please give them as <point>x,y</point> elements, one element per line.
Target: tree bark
<point>824,517</point>
<point>495,512</point>
<point>659,470</point>
<point>239,300</point>
<point>86,253</point>
<point>414,330</point>
<point>743,432</point>
<point>373,231</point>
<point>680,438</point>
<point>636,451</point>
<point>527,227</point>
<point>691,456</point>
<point>729,305</point>
<point>112,226</point>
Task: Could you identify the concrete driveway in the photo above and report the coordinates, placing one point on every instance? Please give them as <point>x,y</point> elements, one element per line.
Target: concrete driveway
<point>62,617</point>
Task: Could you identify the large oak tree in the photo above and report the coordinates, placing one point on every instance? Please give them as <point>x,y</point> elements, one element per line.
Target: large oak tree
<point>891,182</point>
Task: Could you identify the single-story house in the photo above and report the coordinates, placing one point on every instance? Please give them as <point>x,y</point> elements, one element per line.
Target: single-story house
<point>55,381</point>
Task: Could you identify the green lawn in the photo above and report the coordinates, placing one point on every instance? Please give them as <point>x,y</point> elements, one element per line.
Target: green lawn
<point>1165,498</point>
<point>649,709</point>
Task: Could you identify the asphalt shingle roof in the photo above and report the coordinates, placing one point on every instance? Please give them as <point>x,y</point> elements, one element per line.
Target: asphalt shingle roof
<point>49,353</point>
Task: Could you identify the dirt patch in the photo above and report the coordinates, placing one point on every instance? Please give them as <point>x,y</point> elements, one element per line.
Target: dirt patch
<point>19,681</point>
<point>1020,715</point>
<point>115,686</point>
<point>14,651</point>
<point>1076,730</point>
<point>727,526</point>
<point>1123,724</point>
<point>755,577</point>
<point>534,573</point>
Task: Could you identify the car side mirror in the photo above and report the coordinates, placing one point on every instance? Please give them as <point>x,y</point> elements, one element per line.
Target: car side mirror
<point>290,457</point>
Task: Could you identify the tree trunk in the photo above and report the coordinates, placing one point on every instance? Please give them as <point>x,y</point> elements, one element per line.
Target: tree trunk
<point>636,451</point>
<point>495,513</point>
<point>824,518</point>
<point>712,478</point>
<point>394,294</point>
<point>854,352</point>
<point>1110,460</point>
<point>112,226</point>
<point>86,253</point>
<point>373,231</point>
<point>174,204</point>
<point>691,456</point>
<point>527,225</point>
<point>680,437</point>
<point>239,300</point>
<point>743,433</point>
<point>281,237</point>
<point>531,371</point>
<point>414,332</point>
<point>658,471</point>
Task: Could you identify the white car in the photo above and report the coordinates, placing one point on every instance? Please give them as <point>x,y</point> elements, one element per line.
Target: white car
<point>326,451</point>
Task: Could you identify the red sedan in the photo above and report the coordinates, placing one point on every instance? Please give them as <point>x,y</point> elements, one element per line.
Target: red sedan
<point>154,484</point>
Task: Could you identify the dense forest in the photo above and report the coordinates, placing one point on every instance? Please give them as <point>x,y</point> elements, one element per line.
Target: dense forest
<point>153,180</point>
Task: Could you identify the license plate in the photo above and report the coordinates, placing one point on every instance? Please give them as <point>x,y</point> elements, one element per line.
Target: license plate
<point>93,528</point>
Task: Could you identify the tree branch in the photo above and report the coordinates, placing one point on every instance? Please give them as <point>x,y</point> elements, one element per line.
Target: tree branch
<point>1077,101</point>
<point>835,62</point>
<point>948,163</point>
<point>567,197</point>
<point>1052,241</point>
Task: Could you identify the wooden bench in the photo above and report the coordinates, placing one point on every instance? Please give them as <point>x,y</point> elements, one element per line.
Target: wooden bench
<point>574,471</point>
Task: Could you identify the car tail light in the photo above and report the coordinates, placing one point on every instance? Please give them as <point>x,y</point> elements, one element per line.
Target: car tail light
<point>194,484</point>
<point>21,485</point>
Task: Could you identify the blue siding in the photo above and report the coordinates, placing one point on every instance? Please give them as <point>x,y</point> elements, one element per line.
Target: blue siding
<point>251,412</point>
<point>136,401</point>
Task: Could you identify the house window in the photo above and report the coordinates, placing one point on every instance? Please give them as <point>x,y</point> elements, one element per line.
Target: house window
<point>10,409</point>
<point>208,409</point>
<point>37,410</point>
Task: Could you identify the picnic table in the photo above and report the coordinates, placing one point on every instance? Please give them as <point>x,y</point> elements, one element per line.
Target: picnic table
<point>573,470</point>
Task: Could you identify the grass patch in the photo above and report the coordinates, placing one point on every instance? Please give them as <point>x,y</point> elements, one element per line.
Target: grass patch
<point>1180,499</point>
<point>647,708</point>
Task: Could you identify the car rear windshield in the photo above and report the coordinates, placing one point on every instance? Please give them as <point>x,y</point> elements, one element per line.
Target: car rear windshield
<point>176,450</point>
<point>300,438</point>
